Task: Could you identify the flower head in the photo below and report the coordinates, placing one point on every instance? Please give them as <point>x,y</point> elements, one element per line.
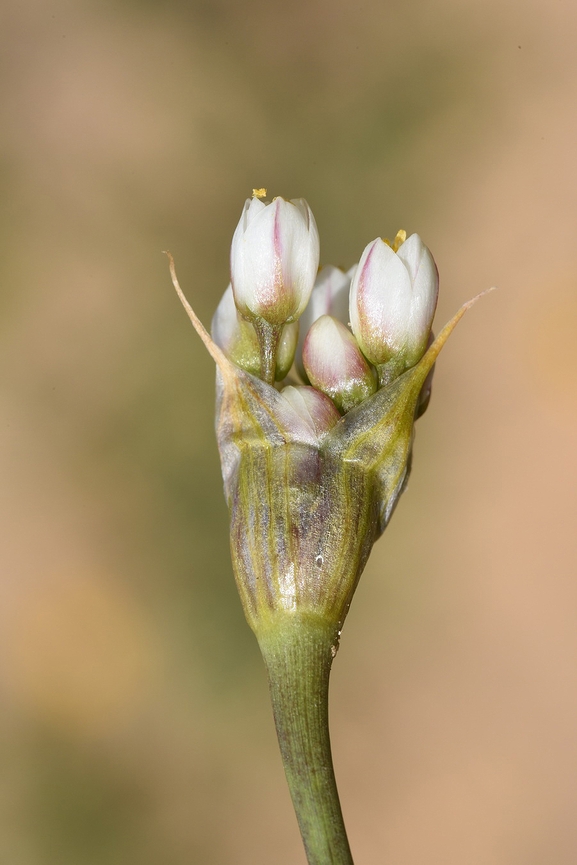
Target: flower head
<point>312,474</point>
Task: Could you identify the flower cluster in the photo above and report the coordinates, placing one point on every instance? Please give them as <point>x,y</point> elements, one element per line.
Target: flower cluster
<point>358,330</point>
<point>321,376</point>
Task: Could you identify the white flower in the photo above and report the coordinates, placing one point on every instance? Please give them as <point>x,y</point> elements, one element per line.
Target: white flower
<point>330,296</point>
<point>274,259</point>
<point>392,300</point>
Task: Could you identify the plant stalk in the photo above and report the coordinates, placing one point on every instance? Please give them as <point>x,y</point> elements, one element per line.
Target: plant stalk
<point>268,337</point>
<point>298,653</point>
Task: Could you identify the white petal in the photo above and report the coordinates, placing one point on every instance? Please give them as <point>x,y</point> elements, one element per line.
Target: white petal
<point>330,296</point>
<point>254,267</point>
<point>425,279</point>
<point>304,209</point>
<point>300,257</point>
<point>224,320</point>
<point>251,208</point>
<point>411,252</point>
<point>274,261</point>
<point>380,302</point>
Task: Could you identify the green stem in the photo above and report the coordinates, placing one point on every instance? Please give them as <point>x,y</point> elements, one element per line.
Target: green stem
<point>390,370</point>
<point>268,338</point>
<point>298,653</point>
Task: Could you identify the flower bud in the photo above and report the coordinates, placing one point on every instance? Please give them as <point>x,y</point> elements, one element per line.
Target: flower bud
<point>274,259</point>
<point>393,299</point>
<point>238,339</point>
<point>286,350</point>
<point>335,365</point>
<point>330,296</point>
<point>312,406</point>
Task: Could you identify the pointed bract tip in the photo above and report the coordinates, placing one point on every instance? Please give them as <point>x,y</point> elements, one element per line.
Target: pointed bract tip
<point>215,352</point>
<point>434,350</point>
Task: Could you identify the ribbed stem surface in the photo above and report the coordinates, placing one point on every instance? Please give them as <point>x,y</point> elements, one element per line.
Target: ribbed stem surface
<point>298,655</point>
<point>268,338</point>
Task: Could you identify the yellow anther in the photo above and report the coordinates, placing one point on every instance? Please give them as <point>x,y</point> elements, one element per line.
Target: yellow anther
<point>259,193</point>
<point>387,241</point>
<point>400,238</point>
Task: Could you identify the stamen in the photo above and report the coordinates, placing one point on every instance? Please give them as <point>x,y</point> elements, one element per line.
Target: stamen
<point>400,238</point>
<point>259,193</point>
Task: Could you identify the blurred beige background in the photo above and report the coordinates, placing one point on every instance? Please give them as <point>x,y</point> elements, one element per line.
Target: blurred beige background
<point>135,720</point>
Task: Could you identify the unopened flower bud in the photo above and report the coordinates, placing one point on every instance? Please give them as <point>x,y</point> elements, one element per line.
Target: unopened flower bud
<point>393,299</point>
<point>330,296</point>
<point>238,339</point>
<point>335,365</point>
<point>274,259</point>
<point>286,350</point>
<point>312,406</point>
